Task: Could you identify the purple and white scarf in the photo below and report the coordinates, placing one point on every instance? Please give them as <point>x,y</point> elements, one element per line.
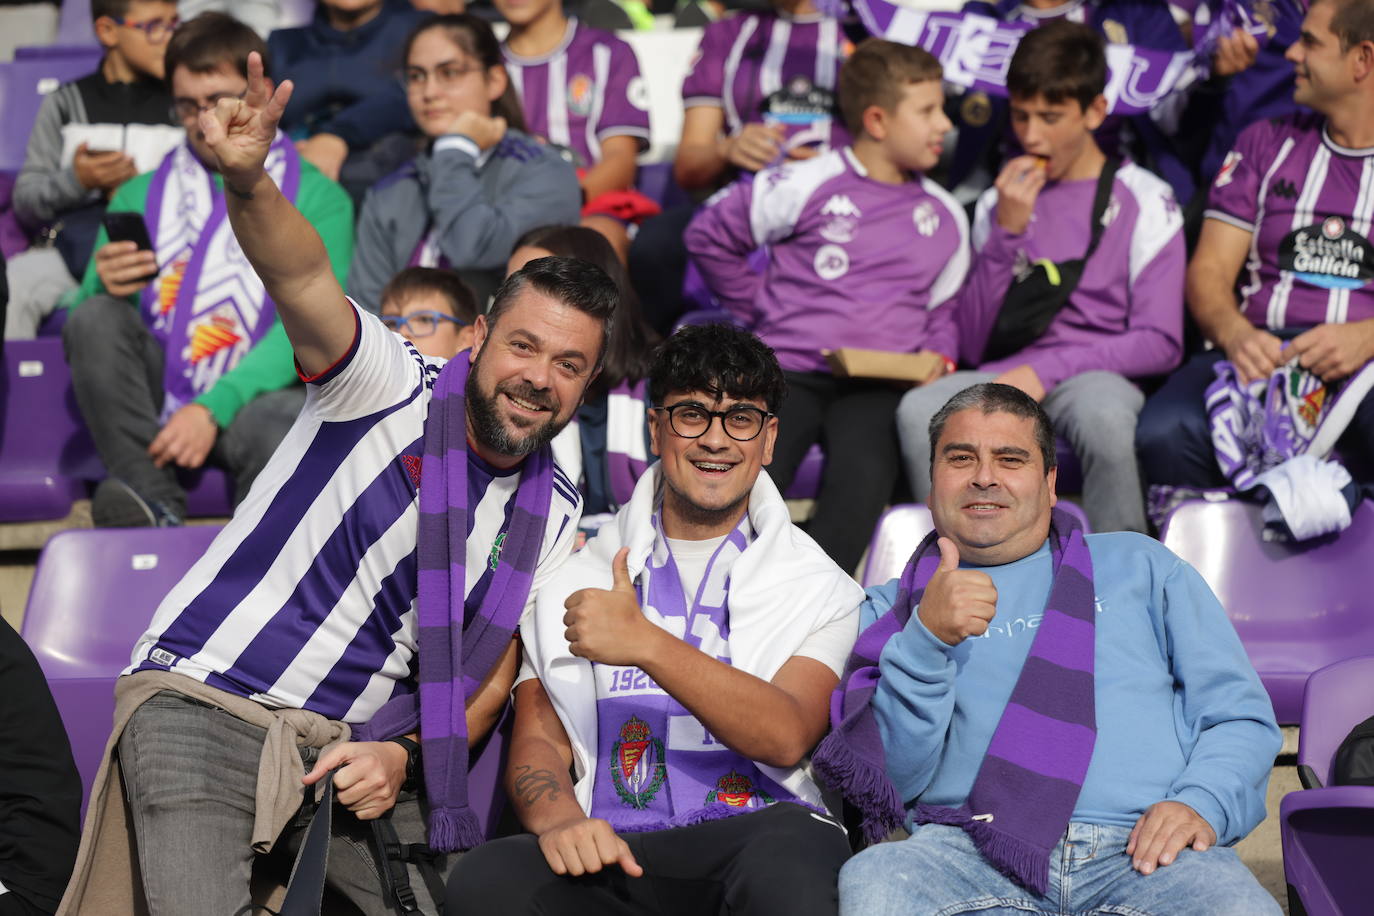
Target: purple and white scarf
<point>456,652</point>
<point>659,766</point>
<point>207,307</point>
<point>1277,433</point>
<point>1014,813</point>
<point>976,50</point>
<point>626,457</point>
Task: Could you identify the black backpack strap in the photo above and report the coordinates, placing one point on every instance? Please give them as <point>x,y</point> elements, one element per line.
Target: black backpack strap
<point>305,889</point>
<point>1101,198</point>
<point>392,858</point>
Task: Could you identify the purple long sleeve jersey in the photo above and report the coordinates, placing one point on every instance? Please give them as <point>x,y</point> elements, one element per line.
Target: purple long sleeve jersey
<point>1126,314</point>
<point>852,261</point>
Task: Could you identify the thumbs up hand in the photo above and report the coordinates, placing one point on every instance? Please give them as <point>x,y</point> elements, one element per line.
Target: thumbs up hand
<point>958,603</point>
<point>607,626</point>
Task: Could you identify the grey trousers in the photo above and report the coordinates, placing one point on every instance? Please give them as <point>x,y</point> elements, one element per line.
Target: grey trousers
<point>37,279</point>
<point>117,368</point>
<point>1094,411</point>
<point>190,774</point>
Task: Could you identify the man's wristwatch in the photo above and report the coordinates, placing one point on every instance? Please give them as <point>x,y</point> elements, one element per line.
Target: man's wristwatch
<point>412,763</point>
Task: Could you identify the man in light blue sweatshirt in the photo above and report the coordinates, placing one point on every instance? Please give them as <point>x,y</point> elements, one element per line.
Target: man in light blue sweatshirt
<point>1070,724</point>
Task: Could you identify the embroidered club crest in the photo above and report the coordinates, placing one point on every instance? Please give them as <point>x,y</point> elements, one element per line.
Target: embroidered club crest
<point>168,285</point>
<point>638,770</point>
<point>737,791</point>
<point>580,95</point>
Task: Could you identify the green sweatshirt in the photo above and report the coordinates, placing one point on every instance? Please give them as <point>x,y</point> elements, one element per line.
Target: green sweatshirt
<point>269,365</point>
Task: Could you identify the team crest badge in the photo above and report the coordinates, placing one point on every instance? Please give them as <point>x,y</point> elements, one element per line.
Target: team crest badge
<point>976,109</point>
<point>737,791</point>
<point>638,770</point>
<point>580,95</point>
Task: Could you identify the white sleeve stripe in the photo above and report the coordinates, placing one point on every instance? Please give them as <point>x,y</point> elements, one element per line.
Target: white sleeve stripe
<point>951,278</point>
<point>1224,217</point>
<point>780,194</point>
<point>1156,225</point>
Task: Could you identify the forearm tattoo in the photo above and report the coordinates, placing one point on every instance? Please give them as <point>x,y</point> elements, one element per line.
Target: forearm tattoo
<point>533,785</point>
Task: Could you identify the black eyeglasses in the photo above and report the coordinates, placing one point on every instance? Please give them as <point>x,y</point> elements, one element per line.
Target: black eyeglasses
<point>690,421</point>
<point>421,324</point>
<point>156,30</point>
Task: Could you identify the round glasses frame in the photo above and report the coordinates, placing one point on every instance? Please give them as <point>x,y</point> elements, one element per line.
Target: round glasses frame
<point>682,425</point>
<point>155,30</point>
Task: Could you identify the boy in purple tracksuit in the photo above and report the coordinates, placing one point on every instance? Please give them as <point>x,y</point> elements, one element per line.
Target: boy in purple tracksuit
<point>1284,264</point>
<point>1123,320</point>
<point>863,248</point>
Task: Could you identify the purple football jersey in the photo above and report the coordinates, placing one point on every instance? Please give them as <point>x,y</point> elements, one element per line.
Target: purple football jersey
<point>852,262</point>
<point>1309,203</point>
<point>585,90</point>
<point>763,66</point>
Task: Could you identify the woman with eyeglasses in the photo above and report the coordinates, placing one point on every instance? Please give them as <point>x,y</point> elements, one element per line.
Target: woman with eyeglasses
<point>480,183</point>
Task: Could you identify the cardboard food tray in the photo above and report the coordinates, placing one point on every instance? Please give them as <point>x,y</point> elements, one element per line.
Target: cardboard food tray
<point>850,362</point>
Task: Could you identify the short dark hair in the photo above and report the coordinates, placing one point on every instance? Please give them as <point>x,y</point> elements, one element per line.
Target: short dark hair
<point>876,73</point>
<point>473,35</point>
<point>1060,61</point>
<point>993,397</point>
<point>417,281</point>
<point>575,283</point>
<point>210,42</point>
<point>719,359</point>
<point>1352,21</point>
<point>115,9</point>
<point>632,341</point>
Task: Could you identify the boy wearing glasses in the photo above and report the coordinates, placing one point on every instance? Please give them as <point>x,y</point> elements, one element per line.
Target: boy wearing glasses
<point>177,355</point>
<point>681,665</point>
<point>432,309</point>
<point>85,143</point>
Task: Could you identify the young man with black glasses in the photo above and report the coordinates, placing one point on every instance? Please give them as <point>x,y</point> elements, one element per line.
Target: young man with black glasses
<point>682,665</point>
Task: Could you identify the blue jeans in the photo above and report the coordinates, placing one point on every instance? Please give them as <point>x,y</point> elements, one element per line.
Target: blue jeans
<point>939,872</point>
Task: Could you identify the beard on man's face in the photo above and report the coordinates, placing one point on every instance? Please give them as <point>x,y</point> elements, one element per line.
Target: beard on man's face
<point>498,434</point>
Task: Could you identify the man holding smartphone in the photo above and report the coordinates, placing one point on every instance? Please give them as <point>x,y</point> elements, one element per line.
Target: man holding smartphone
<point>199,368</point>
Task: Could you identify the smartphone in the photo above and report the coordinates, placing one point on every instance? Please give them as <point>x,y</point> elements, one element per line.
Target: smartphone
<point>129,227</point>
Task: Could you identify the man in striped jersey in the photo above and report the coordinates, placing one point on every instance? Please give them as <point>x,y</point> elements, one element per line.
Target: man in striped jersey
<point>1289,223</point>
<point>314,614</point>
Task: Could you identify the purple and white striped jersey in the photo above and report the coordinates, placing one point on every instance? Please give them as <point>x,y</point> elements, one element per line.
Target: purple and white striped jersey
<point>306,600</point>
<point>852,261</point>
<point>1308,204</point>
<point>765,66</point>
<point>583,91</point>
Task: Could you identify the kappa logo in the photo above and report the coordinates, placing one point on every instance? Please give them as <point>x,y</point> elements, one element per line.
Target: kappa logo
<point>1227,173</point>
<point>831,263</point>
<point>1284,188</point>
<point>840,205</point>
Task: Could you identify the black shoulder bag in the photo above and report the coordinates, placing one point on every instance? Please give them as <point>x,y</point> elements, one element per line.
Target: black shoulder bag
<point>1035,297</point>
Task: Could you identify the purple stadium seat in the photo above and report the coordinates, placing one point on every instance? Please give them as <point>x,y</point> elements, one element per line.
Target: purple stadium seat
<point>95,590</point>
<point>44,449</point>
<point>1297,608</point>
<point>1328,833</point>
<point>93,594</point>
<point>91,53</point>
<point>656,182</point>
<point>23,83</point>
<point>1335,700</point>
<point>74,26</point>
<point>900,531</point>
